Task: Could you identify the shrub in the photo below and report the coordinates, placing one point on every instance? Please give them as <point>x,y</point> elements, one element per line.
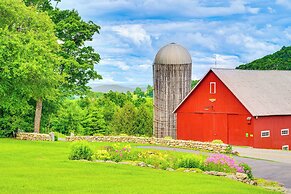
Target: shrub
<point>190,162</point>
<point>81,150</point>
<point>228,149</point>
<point>222,163</point>
<point>98,134</point>
<point>123,135</point>
<point>156,158</point>
<point>217,141</point>
<point>168,138</point>
<point>247,169</point>
<point>119,152</point>
<point>102,155</point>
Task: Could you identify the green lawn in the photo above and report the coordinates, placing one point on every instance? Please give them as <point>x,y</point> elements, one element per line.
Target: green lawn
<point>43,167</point>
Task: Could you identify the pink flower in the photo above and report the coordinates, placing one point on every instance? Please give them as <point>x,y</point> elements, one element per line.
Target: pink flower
<point>220,159</point>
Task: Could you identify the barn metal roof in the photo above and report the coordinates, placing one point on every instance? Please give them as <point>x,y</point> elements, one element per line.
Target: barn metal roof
<point>262,92</point>
<point>172,54</point>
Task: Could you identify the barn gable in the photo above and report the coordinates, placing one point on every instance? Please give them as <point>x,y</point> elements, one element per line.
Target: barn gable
<point>200,100</point>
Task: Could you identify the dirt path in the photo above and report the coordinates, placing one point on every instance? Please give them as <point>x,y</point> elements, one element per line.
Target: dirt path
<point>278,170</point>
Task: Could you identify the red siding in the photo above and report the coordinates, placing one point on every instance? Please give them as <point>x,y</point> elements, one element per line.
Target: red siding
<point>226,118</point>
<point>274,124</point>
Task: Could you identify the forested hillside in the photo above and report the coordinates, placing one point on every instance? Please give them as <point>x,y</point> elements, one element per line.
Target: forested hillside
<point>280,60</point>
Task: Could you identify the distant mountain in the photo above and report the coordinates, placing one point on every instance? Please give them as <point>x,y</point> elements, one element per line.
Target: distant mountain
<point>114,88</point>
<point>107,88</point>
<point>280,60</point>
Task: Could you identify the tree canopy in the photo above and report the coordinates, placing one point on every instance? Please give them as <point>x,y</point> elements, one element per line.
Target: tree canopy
<point>29,60</point>
<point>72,32</point>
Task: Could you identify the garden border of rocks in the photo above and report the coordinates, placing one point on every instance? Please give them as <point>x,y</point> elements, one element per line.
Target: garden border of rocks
<point>241,177</point>
<point>35,136</point>
<point>196,145</point>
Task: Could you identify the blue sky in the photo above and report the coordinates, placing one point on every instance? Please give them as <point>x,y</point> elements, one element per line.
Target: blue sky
<point>132,32</point>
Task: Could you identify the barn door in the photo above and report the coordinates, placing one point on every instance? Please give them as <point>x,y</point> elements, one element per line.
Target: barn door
<point>239,132</point>
<point>215,127</point>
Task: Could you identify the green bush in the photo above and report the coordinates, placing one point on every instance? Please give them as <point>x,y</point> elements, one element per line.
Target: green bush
<point>98,134</point>
<point>228,149</point>
<point>123,135</point>
<point>190,162</point>
<point>217,141</point>
<point>156,159</point>
<point>102,155</point>
<point>81,150</point>
<point>120,152</point>
<point>247,170</point>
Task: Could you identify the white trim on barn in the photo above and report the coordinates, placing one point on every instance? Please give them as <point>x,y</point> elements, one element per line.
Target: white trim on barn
<point>265,133</point>
<point>284,132</point>
<point>285,147</point>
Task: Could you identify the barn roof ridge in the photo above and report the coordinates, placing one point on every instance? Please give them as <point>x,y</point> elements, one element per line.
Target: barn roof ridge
<point>262,92</point>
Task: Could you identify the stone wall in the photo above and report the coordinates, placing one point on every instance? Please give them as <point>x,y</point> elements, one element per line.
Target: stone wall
<point>206,146</point>
<point>34,136</point>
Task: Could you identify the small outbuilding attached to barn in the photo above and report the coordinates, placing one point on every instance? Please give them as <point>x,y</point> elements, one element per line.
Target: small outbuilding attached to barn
<point>239,107</point>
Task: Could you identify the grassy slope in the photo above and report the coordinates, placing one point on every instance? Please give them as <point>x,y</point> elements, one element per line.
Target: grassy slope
<point>43,167</point>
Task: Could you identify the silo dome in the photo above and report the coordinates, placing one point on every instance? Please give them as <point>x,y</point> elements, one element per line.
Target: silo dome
<point>173,54</point>
<point>172,70</point>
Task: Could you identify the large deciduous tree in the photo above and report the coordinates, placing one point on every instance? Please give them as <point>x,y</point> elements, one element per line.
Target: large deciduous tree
<point>72,33</point>
<point>29,59</point>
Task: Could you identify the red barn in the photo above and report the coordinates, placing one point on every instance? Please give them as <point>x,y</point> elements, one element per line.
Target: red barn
<point>239,107</point>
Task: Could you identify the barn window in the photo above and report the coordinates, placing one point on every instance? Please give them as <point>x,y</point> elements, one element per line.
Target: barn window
<point>284,131</point>
<point>285,147</point>
<point>265,133</point>
<point>212,87</point>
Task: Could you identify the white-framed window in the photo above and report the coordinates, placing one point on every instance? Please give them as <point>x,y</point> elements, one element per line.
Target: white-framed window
<point>285,147</point>
<point>212,89</point>
<point>284,132</point>
<point>265,133</point>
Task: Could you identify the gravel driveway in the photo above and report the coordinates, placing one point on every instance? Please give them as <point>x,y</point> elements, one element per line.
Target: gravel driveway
<point>268,164</point>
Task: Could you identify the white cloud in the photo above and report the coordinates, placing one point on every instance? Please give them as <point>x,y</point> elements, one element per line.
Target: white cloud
<point>285,3</point>
<point>147,65</point>
<point>136,33</point>
<point>107,79</point>
<point>287,32</point>
<point>152,8</point>
<point>116,63</point>
<point>271,10</point>
<point>254,48</point>
<point>227,61</point>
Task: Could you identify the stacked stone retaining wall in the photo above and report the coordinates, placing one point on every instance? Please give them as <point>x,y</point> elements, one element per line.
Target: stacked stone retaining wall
<point>205,146</point>
<point>34,136</point>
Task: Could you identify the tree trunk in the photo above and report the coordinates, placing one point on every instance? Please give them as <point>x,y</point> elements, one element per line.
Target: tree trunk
<point>37,117</point>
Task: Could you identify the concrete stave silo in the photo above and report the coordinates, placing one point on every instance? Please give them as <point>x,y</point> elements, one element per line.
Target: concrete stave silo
<point>172,70</point>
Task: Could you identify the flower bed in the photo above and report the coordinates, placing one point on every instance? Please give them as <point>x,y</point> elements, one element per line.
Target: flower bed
<point>171,161</point>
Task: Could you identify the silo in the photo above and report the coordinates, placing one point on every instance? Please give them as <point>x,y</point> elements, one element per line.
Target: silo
<point>172,82</point>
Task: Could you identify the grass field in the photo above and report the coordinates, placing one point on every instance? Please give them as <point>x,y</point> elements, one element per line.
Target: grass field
<point>43,167</point>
